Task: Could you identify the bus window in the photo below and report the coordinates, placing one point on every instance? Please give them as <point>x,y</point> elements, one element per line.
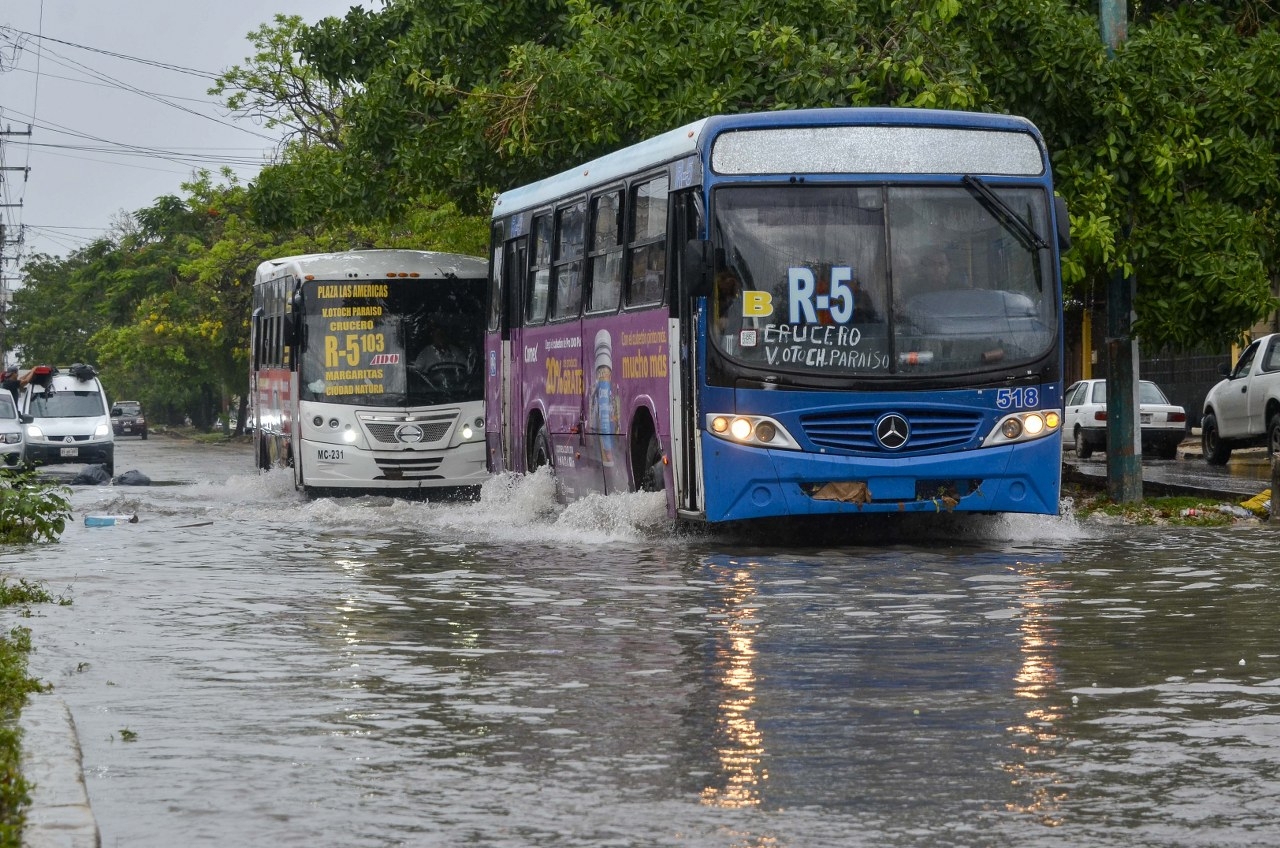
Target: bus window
<point>540,273</point>
<point>606,251</point>
<point>647,251</point>
<point>567,298</point>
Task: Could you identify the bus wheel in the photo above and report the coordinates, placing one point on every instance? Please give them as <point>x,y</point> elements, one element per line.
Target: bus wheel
<point>540,450</point>
<point>651,477</point>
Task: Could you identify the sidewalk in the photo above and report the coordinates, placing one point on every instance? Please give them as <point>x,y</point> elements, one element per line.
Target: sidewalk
<point>1188,475</point>
<point>59,815</point>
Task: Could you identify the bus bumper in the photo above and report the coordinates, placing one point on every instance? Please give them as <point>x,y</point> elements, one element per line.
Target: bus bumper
<point>326,467</point>
<point>754,483</point>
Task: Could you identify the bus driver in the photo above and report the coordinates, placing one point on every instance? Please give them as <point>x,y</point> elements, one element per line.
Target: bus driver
<point>440,354</point>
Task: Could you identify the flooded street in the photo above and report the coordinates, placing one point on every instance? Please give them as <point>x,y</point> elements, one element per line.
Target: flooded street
<point>248,668</point>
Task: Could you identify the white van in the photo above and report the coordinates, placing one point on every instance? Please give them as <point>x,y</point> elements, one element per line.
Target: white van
<point>69,418</point>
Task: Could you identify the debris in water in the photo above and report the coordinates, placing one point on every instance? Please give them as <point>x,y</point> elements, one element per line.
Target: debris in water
<point>109,520</point>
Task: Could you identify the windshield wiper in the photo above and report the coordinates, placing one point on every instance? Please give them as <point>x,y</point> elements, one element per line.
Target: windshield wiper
<point>1011,220</point>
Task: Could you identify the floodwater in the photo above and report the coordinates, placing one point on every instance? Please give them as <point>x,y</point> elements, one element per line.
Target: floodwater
<point>248,668</point>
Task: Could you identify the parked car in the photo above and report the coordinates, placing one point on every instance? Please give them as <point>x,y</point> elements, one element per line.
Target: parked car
<point>1084,419</point>
<point>12,441</point>
<point>127,419</point>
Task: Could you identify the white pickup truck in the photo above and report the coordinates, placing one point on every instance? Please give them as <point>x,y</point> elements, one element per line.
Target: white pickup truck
<point>1244,409</point>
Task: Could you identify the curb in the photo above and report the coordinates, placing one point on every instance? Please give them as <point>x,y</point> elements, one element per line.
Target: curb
<point>59,815</point>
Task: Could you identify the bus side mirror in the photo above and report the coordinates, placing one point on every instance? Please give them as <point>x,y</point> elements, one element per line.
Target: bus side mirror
<point>695,262</point>
<point>1064,223</point>
<point>293,329</point>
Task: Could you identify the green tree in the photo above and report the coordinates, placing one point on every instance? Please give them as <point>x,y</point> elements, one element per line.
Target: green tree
<point>164,309</point>
<point>53,316</point>
<point>281,92</point>
<point>1166,153</point>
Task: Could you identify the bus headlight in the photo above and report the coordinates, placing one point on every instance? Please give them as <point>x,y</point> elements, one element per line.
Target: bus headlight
<point>1023,427</point>
<point>758,431</point>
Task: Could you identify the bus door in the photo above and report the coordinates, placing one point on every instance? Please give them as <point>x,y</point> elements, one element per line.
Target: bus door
<point>685,351</point>
<point>517,367</point>
<point>509,262</point>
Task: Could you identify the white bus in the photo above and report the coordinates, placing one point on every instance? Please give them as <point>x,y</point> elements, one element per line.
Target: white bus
<point>365,371</point>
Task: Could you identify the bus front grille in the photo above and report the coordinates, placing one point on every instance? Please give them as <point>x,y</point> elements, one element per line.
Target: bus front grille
<point>411,467</point>
<point>402,431</point>
<point>855,430</point>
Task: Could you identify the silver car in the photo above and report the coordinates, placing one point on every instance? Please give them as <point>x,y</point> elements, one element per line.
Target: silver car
<point>12,442</point>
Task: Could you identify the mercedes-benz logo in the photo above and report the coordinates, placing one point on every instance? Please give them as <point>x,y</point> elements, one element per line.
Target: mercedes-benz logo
<point>892,431</point>
<point>409,433</point>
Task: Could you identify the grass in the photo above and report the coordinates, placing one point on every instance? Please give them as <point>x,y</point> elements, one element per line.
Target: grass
<point>1177,510</point>
<point>15,686</point>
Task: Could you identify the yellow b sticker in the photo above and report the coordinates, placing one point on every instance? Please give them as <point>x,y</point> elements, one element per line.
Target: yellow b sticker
<point>757,304</point>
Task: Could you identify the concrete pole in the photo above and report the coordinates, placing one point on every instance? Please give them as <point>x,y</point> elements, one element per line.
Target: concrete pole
<point>1124,441</point>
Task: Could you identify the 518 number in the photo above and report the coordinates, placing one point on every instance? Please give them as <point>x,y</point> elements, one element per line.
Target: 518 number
<point>1018,398</point>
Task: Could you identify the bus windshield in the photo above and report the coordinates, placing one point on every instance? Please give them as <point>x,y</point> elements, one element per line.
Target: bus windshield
<point>392,343</point>
<point>882,280</point>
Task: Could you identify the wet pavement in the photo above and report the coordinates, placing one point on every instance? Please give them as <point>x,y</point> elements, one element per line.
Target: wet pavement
<point>245,667</point>
<point>1245,475</point>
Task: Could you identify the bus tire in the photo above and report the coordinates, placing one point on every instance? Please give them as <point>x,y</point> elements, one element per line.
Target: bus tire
<point>540,451</point>
<point>649,473</point>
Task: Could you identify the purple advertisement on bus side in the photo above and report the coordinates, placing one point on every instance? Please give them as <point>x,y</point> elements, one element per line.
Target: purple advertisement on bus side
<point>587,382</point>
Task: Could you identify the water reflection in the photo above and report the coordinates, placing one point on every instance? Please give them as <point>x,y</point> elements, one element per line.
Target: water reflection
<point>1037,737</point>
<point>373,674</point>
<point>739,742</point>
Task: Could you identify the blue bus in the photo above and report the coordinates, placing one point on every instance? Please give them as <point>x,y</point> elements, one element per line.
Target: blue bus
<point>792,313</point>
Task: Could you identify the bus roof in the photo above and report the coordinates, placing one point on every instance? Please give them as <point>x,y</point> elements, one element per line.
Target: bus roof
<point>691,138</point>
<point>374,264</point>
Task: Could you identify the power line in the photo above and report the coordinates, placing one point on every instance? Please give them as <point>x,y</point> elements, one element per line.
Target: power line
<point>162,65</point>
<point>132,89</point>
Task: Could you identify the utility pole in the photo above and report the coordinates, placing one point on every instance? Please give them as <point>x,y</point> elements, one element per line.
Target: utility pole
<point>4,242</point>
<point>1124,440</point>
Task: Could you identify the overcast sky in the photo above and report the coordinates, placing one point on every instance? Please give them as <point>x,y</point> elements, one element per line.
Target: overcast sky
<point>111,134</point>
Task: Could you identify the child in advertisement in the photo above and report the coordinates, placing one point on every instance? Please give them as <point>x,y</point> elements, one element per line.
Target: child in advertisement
<point>604,400</point>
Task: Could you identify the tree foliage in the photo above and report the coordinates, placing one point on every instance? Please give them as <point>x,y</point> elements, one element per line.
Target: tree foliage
<point>163,309</point>
<point>404,121</point>
<point>1166,151</point>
